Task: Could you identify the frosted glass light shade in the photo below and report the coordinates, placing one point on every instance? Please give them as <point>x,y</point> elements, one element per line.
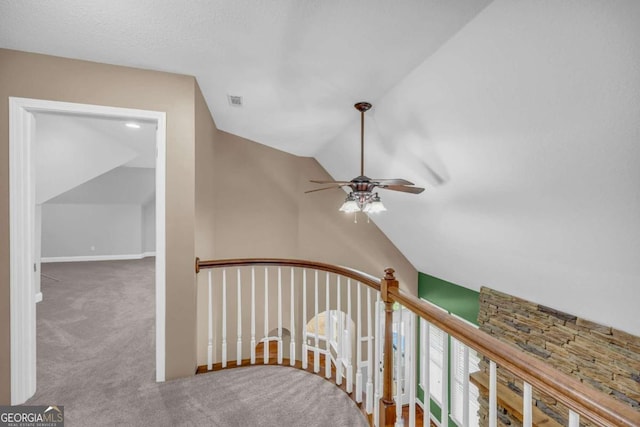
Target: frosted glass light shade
<point>374,207</point>
<point>350,206</point>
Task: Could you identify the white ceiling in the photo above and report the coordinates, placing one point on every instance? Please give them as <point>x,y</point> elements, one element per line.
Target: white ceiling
<point>520,118</point>
<point>91,159</point>
<point>299,65</point>
<point>107,130</point>
<point>119,186</point>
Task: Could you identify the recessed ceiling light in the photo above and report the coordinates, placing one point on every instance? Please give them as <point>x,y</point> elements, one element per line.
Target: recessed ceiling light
<point>133,125</point>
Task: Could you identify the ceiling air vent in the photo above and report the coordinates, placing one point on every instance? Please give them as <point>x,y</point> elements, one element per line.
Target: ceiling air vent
<point>235,101</point>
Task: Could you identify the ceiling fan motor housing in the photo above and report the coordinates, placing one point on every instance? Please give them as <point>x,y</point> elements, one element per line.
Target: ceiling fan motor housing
<point>362,184</point>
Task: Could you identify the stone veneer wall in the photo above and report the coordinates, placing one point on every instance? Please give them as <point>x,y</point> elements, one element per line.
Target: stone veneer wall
<point>606,358</point>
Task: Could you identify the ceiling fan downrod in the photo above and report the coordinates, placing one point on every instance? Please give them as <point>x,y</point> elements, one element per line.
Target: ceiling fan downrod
<point>363,196</point>
<point>362,107</point>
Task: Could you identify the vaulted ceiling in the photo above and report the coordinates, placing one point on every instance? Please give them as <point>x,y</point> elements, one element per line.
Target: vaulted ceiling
<point>520,117</point>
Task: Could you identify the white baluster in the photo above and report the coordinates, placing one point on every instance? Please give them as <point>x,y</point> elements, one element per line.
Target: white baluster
<point>574,419</point>
<point>397,362</point>
<point>239,333</point>
<point>465,387</point>
<point>378,352</point>
<point>358,344</point>
<point>493,398</point>
<point>224,318</point>
<point>339,333</point>
<point>425,367</point>
<point>210,327</point>
<point>527,417</point>
<point>265,356</point>
<point>370,363</point>
<point>292,347</point>
<point>316,355</point>
<point>305,352</point>
<point>253,316</point>
<point>328,325</point>
<point>348,342</point>
<point>444,415</point>
<point>279,316</point>
<point>412,339</point>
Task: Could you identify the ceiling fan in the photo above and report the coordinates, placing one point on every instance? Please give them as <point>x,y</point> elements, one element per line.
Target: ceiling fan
<point>362,196</point>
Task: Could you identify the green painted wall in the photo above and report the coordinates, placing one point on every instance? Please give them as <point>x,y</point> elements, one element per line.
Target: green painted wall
<point>456,300</point>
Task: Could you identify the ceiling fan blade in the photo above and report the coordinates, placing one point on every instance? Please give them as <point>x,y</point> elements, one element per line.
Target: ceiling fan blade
<point>404,189</point>
<point>394,181</point>
<point>330,182</point>
<point>324,188</point>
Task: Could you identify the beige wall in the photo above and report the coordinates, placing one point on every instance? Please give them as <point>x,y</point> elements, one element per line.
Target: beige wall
<point>261,211</point>
<point>51,78</point>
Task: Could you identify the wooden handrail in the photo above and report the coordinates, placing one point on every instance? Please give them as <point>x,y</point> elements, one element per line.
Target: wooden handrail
<point>359,276</point>
<point>591,403</point>
<point>588,402</point>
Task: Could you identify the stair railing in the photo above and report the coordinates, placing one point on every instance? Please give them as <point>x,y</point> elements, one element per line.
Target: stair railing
<point>584,402</point>
<point>378,351</point>
<point>318,303</point>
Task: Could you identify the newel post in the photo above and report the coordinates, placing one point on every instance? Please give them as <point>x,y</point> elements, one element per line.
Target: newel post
<point>387,404</point>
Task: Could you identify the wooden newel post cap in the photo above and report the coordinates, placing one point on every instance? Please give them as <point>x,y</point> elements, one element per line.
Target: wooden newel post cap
<point>387,282</point>
<point>389,274</point>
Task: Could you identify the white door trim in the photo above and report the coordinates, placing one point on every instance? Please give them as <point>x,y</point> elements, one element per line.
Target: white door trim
<point>22,223</point>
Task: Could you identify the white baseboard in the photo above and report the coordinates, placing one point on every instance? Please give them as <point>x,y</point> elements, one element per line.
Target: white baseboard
<point>97,257</point>
<point>39,297</point>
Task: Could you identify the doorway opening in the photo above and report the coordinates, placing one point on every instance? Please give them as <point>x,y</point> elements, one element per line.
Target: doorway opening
<point>24,249</point>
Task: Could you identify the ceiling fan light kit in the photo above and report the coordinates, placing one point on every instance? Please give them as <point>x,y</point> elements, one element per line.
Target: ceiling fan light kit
<point>362,201</point>
<point>362,197</point>
<point>374,205</point>
<point>350,204</point>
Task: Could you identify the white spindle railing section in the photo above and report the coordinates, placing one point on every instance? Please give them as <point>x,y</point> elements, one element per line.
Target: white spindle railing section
<point>370,366</point>
<point>574,419</point>
<point>292,323</point>
<point>280,352</point>
<point>377,384</point>
<point>583,402</point>
<point>527,416</point>
<point>210,322</point>
<point>358,347</point>
<point>265,340</point>
<point>326,315</point>
<point>253,316</point>
<point>412,365</point>
<point>339,334</point>
<point>224,318</point>
<point>239,320</point>
<point>347,340</point>
<point>465,387</point>
<point>328,327</point>
<point>397,363</point>
<point>316,329</point>
<point>305,352</point>
<point>493,395</point>
<point>425,375</point>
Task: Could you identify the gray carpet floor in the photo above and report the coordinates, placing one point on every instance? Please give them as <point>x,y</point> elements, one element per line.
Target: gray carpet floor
<point>96,356</point>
